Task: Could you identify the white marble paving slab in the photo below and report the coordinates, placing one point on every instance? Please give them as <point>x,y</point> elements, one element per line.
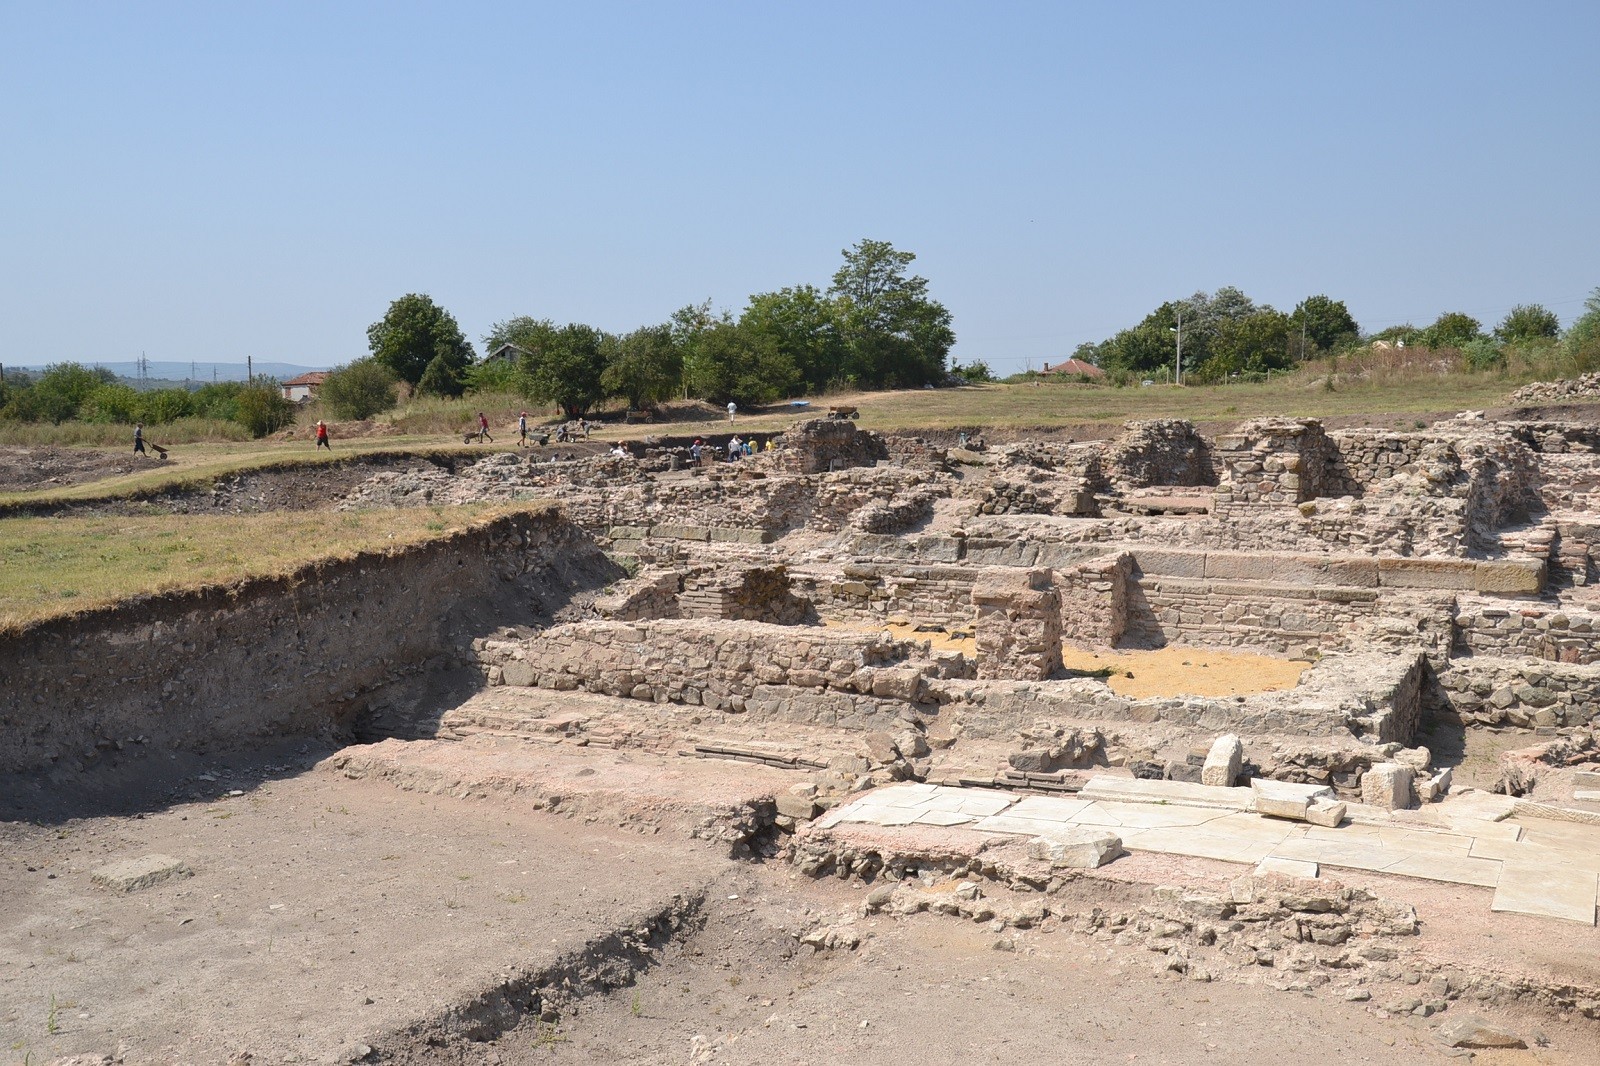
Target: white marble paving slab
<point>1540,891</point>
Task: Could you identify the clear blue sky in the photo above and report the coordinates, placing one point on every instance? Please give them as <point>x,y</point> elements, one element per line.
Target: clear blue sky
<point>206,181</point>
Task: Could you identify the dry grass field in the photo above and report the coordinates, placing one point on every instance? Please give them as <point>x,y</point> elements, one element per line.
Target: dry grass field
<point>56,566</point>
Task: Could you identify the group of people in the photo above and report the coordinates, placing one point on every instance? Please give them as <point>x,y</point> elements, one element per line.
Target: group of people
<point>736,448</point>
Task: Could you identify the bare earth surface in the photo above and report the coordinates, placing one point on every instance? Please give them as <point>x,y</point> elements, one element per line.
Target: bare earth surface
<point>335,920</point>
<point>322,913</point>
<point>24,469</point>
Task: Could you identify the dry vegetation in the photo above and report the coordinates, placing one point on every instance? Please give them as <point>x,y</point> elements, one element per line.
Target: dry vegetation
<point>55,566</point>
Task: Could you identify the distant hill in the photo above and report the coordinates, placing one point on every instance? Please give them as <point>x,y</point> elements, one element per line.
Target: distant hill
<point>181,372</point>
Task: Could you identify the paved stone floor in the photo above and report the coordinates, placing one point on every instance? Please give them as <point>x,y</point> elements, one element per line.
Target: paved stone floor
<point>1535,866</point>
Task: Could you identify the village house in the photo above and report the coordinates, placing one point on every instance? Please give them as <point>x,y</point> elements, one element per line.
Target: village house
<point>304,387</point>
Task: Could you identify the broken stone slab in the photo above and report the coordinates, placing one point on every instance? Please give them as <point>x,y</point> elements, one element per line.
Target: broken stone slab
<point>1291,808</point>
<point>130,875</point>
<point>1222,763</point>
<point>1387,785</point>
<point>1325,814</point>
<point>1076,849</point>
<point>1469,1032</point>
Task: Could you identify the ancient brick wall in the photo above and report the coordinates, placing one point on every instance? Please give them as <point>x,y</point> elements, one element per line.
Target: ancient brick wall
<point>1525,693</point>
<point>1160,451</point>
<point>715,664</point>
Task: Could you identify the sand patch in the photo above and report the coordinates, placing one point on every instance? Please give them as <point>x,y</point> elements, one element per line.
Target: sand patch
<point>1170,671</point>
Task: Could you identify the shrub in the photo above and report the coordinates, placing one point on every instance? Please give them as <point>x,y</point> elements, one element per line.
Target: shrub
<point>1483,353</point>
<point>165,405</point>
<point>261,408</point>
<point>360,390</point>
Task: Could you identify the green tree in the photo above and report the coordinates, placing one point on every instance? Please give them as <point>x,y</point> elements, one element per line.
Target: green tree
<point>440,378</point>
<point>261,408</point>
<point>734,363</point>
<point>1450,330</point>
<point>359,390</point>
<point>566,368</point>
<point>1252,344</point>
<point>524,332</point>
<point>1526,322</point>
<point>1585,331</point>
<point>1325,323</point>
<point>111,405</point>
<point>415,332</point>
<point>645,367</point>
<point>160,406</point>
<point>974,373</point>
<point>893,334</point>
<point>804,325</point>
<point>1405,333</point>
<point>64,387</point>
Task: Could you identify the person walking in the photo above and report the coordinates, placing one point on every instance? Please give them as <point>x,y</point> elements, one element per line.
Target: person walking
<point>483,429</point>
<point>138,439</point>
<point>522,430</point>
<point>322,435</point>
<point>733,409</point>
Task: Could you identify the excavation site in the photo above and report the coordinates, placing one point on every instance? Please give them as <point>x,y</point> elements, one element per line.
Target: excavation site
<point>1174,746</point>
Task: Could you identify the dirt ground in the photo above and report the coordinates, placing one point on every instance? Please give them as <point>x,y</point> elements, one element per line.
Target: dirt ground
<point>322,912</point>
<point>933,990</point>
<point>334,920</point>
<point>24,469</point>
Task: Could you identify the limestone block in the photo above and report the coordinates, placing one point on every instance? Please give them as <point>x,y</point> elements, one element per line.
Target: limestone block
<point>1387,785</point>
<point>1326,814</point>
<point>519,674</point>
<point>1222,763</point>
<point>130,875</point>
<point>1164,563</point>
<point>1513,578</point>
<point>1290,807</point>
<point>1076,849</point>
<point>1427,573</point>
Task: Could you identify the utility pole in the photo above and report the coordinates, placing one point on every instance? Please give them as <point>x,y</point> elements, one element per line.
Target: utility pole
<point>1177,373</point>
<point>249,368</point>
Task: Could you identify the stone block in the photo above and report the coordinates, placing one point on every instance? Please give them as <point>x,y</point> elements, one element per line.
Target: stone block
<point>1163,563</point>
<point>1222,763</point>
<point>518,673</point>
<point>1288,807</point>
<point>1362,573</point>
<point>1076,849</point>
<point>1323,813</point>
<point>1265,566</point>
<point>131,875</point>
<point>800,808</point>
<point>1387,785</point>
<point>1510,578</point>
<point>1427,573</point>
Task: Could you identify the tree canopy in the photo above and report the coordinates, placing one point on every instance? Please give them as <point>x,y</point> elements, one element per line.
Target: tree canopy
<point>1526,322</point>
<point>893,334</point>
<point>413,334</point>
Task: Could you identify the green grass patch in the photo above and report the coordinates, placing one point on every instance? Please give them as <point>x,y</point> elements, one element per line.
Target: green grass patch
<point>56,566</point>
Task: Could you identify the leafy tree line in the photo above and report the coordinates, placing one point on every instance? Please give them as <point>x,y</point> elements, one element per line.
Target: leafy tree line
<point>72,391</point>
<point>875,326</point>
<point>1226,333</point>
